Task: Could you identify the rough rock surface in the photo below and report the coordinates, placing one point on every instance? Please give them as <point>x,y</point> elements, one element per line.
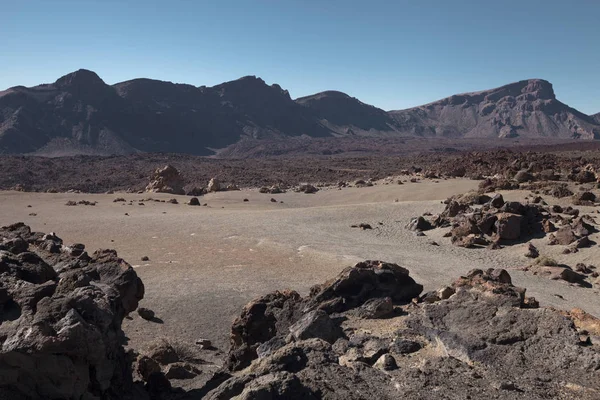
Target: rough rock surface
<point>166,180</point>
<point>275,314</point>
<point>60,318</point>
<point>485,340</point>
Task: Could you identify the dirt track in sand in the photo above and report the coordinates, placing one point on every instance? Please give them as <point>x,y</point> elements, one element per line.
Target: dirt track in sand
<point>207,262</point>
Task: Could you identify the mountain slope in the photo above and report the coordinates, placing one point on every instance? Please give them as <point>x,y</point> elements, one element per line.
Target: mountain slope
<point>78,108</point>
<point>527,108</point>
<point>79,113</point>
<point>347,115</point>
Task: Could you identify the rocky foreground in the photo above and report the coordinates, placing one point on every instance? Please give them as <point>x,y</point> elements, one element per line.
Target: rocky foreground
<point>369,332</point>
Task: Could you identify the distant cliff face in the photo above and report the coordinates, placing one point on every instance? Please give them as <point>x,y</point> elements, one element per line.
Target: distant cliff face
<point>79,113</point>
<point>527,108</point>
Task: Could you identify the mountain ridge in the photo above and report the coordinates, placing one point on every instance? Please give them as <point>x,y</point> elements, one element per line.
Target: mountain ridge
<point>80,113</point>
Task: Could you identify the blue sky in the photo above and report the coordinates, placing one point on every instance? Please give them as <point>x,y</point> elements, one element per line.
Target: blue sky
<point>392,54</point>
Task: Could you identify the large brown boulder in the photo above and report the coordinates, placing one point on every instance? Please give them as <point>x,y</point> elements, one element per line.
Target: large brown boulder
<point>166,180</point>
<point>60,318</point>
<point>368,279</point>
<point>508,226</point>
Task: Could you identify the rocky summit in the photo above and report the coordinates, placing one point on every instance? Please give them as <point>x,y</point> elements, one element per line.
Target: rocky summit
<point>527,108</point>
<point>80,114</point>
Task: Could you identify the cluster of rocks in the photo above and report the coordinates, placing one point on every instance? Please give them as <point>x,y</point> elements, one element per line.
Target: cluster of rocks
<point>274,189</point>
<point>480,220</point>
<point>485,221</point>
<point>161,362</point>
<point>520,167</point>
<point>61,311</point>
<point>72,203</point>
<point>306,188</point>
<point>370,333</point>
<point>574,233</point>
<point>167,179</point>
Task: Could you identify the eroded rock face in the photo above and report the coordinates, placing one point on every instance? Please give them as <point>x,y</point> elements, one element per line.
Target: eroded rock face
<point>60,318</point>
<point>482,339</point>
<point>166,180</point>
<point>273,317</point>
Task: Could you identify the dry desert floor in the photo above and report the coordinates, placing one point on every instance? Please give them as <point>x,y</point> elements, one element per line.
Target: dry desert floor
<point>206,262</point>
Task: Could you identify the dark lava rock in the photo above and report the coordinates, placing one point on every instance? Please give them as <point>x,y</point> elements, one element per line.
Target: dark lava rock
<point>146,313</point>
<point>60,320</point>
<point>316,324</point>
<point>487,339</point>
<point>376,308</point>
<point>404,346</point>
<point>274,314</point>
<point>419,224</point>
<point>532,251</point>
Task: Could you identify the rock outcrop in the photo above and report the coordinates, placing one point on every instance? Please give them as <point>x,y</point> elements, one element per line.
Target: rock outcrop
<point>60,318</point>
<point>480,337</point>
<point>166,180</point>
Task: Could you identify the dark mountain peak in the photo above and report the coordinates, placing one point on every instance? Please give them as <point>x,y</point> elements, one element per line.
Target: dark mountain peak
<point>345,114</point>
<point>79,112</point>
<point>142,87</point>
<point>326,95</point>
<point>250,85</point>
<point>526,90</point>
<point>81,78</point>
<point>539,88</point>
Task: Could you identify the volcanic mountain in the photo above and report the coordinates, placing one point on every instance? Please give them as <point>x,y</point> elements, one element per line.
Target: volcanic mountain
<point>527,108</point>
<point>81,114</point>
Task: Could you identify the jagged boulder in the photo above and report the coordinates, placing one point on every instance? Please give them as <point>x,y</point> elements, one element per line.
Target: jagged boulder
<point>419,224</point>
<point>166,180</point>
<point>213,185</point>
<point>273,317</point>
<point>60,318</point>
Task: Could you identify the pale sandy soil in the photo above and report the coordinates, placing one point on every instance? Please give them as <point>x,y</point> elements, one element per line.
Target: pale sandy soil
<point>207,262</point>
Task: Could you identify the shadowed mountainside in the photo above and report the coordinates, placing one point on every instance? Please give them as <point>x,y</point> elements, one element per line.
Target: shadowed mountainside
<point>81,114</point>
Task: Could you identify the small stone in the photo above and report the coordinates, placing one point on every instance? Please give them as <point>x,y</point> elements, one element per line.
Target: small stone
<point>204,343</point>
<point>194,202</point>
<point>386,362</point>
<point>532,251</point>
<point>181,371</point>
<point>446,292</point>
<point>145,258</point>
<point>145,313</point>
<point>404,346</point>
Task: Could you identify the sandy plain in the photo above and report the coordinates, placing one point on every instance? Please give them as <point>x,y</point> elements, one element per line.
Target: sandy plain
<point>206,262</point>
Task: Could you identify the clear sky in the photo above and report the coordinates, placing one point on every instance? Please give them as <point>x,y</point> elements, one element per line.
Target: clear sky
<point>392,54</point>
